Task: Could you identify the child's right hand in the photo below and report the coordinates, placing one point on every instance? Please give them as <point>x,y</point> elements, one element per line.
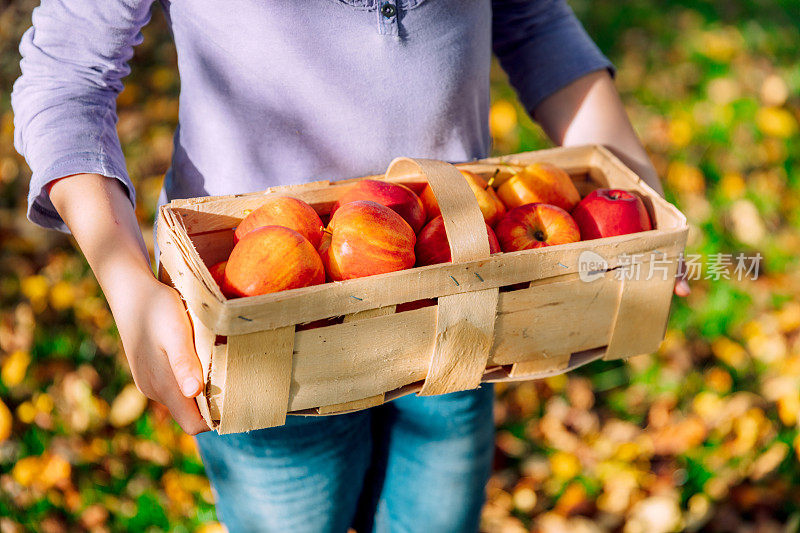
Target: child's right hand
<point>150,316</point>
<point>157,337</point>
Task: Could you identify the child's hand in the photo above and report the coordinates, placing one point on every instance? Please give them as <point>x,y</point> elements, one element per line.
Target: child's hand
<point>157,337</point>
<point>150,316</point>
<point>682,288</point>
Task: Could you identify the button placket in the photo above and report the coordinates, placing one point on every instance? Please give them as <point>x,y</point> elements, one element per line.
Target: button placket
<point>387,17</point>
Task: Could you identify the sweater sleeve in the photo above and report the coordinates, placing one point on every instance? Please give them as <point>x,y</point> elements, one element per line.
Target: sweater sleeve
<point>74,58</point>
<point>542,47</point>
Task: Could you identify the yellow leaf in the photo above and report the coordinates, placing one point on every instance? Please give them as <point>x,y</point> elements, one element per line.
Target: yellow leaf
<point>14,368</point>
<point>718,380</point>
<point>776,122</point>
<point>789,408</point>
<point>5,422</point>
<point>502,119</point>
<point>685,178</point>
<point>43,403</point>
<point>26,412</point>
<point>557,382</point>
<point>34,288</point>
<point>564,465</point>
<point>680,133</point>
<point>26,470</point>
<point>54,470</point>
<point>127,406</point>
<point>729,352</point>
<point>62,296</point>
<point>732,185</point>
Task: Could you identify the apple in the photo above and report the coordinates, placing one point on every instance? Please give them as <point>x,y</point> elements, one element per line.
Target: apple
<point>609,212</point>
<point>287,212</point>
<point>395,196</point>
<point>491,206</point>
<point>539,183</point>
<point>536,225</point>
<point>433,247</point>
<point>365,238</point>
<point>414,305</point>
<point>271,259</point>
<point>218,272</point>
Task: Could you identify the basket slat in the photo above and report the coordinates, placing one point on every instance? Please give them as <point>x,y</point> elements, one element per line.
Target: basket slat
<point>258,374</point>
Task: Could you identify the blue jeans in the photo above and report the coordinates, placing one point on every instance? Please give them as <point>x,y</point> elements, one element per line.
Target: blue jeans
<point>414,464</point>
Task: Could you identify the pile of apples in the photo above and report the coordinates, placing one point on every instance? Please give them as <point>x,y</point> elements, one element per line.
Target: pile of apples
<point>378,227</point>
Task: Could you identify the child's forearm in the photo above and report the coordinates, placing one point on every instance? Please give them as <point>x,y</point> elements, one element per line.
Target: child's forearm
<point>152,322</point>
<point>589,111</point>
<point>101,218</point>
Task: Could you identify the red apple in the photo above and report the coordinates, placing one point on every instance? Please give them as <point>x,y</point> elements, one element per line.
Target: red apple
<point>536,225</point>
<point>218,272</point>
<point>433,247</point>
<point>365,238</point>
<point>491,206</point>
<point>609,212</point>
<point>395,196</point>
<point>416,304</point>
<point>287,212</point>
<point>539,183</point>
<point>271,259</point>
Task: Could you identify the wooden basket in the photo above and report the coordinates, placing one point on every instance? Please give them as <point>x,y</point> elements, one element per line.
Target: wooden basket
<point>509,316</point>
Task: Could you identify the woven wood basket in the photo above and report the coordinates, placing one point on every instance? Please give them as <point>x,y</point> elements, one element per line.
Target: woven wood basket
<point>509,316</point>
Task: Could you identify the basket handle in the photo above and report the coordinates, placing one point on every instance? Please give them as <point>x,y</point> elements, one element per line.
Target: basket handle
<point>465,321</point>
<point>463,220</point>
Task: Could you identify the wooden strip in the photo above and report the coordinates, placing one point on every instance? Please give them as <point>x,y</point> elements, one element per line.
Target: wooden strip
<point>356,405</point>
<point>555,318</point>
<point>465,322</point>
<point>198,298</point>
<point>203,345</point>
<point>546,364</point>
<point>336,299</point>
<point>258,375</point>
<point>643,313</point>
<point>216,381</point>
<point>370,313</point>
<point>462,216</point>
<point>464,335</point>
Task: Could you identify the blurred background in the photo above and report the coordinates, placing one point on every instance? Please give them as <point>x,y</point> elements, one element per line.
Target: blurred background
<point>701,436</point>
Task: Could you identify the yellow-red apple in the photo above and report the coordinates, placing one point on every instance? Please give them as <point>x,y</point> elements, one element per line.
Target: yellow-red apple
<point>610,212</point>
<point>287,212</point>
<point>433,247</point>
<point>395,196</point>
<point>365,238</point>
<point>491,206</point>
<point>536,225</point>
<point>539,183</point>
<point>271,259</point>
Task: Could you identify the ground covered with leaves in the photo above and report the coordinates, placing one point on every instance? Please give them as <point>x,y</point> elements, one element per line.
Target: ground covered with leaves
<point>700,436</point>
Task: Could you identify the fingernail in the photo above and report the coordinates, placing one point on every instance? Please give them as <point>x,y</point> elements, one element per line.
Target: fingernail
<point>685,288</point>
<point>190,386</point>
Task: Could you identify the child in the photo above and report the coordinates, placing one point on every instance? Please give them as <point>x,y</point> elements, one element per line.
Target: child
<point>275,92</point>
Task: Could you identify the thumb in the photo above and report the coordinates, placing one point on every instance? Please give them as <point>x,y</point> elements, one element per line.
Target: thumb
<point>179,347</point>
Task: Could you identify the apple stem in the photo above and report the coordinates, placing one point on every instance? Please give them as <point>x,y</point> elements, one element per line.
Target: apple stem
<point>539,235</point>
<point>491,180</point>
<point>326,230</point>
